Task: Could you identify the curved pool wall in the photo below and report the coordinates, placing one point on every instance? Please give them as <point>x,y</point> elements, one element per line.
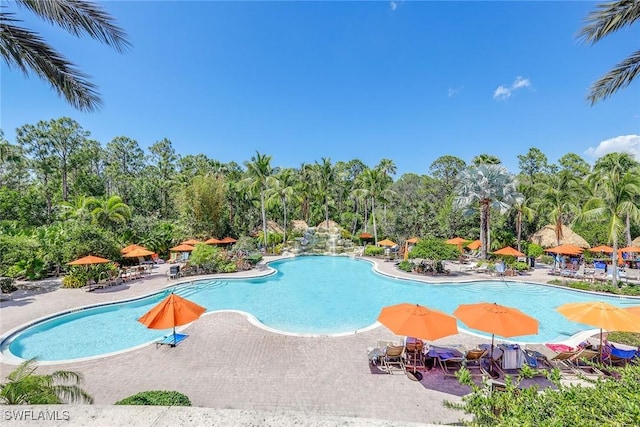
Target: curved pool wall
<point>344,298</point>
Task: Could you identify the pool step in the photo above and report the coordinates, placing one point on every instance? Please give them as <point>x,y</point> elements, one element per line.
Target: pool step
<point>189,290</point>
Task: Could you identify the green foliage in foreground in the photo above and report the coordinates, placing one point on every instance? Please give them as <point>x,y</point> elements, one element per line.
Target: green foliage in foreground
<point>405,266</point>
<point>371,250</point>
<point>156,398</point>
<point>601,403</point>
<point>606,287</point>
<point>24,387</point>
<point>434,249</point>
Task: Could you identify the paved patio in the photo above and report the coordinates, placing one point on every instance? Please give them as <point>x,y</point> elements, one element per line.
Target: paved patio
<point>228,363</point>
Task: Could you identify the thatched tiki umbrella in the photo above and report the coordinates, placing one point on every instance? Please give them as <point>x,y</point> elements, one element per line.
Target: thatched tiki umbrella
<point>547,237</point>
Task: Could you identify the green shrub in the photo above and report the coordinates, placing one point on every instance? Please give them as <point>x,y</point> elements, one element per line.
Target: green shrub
<point>229,267</point>
<point>73,281</point>
<point>371,250</point>
<point>434,249</point>
<point>156,398</point>
<point>628,338</point>
<point>520,266</point>
<point>405,266</point>
<point>534,250</point>
<point>254,258</point>
<point>6,285</point>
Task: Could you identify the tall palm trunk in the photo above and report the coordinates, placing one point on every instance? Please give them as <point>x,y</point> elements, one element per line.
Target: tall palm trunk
<point>373,217</point>
<point>284,208</point>
<point>628,230</point>
<point>614,261</point>
<point>519,228</point>
<point>264,218</point>
<point>366,216</point>
<point>484,227</point>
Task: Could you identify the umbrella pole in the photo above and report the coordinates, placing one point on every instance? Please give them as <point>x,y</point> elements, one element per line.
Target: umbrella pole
<point>491,356</point>
<point>601,344</point>
<point>174,336</point>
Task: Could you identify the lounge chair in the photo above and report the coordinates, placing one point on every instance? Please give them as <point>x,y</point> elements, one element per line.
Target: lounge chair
<point>171,340</point>
<point>584,363</point>
<point>450,359</point>
<point>617,355</point>
<point>476,361</point>
<point>394,359</point>
<point>376,354</point>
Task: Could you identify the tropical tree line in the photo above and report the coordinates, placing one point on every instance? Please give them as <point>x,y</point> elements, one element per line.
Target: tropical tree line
<point>63,194</point>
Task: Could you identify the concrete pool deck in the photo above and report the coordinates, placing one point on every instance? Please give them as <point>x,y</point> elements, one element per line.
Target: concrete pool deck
<point>227,363</point>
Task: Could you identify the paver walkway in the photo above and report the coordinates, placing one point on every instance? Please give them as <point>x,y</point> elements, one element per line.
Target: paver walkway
<point>229,363</point>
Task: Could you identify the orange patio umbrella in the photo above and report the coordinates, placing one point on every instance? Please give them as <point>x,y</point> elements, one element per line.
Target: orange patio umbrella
<point>171,312</point>
<point>496,319</point>
<point>365,236</point>
<point>602,248</point>
<point>139,252</point>
<point>191,242</point>
<point>387,242</point>
<point>474,245</point>
<point>228,240</point>
<point>213,241</point>
<point>630,249</point>
<point>601,315</point>
<point>565,250</point>
<point>182,248</point>
<point>89,259</point>
<point>417,321</point>
<point>508,251</point>
<point>457,241</point>
<point>634,310</point>
<point>130,248</point>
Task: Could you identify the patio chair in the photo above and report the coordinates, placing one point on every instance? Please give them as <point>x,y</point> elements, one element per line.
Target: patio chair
<point>584,363</point>
<point>618,356</point>
<point>376,354</point>
<point>475,360</point>
<point>171,340</point>
<point>450,359</point>
<point>394,358</point>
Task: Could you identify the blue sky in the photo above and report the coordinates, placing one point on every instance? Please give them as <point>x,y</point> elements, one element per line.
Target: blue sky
<point>409,81</point>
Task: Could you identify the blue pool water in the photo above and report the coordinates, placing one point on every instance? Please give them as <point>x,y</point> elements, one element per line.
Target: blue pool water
<point>312,295</point>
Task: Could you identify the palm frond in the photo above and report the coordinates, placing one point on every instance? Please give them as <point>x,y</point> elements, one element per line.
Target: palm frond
<point>608,18</point>
<point>28,51</point>
<point>80,17</point>
<point>619,77</point>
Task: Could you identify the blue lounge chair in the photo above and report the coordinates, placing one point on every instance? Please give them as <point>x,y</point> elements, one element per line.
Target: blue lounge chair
<point>171,340</point>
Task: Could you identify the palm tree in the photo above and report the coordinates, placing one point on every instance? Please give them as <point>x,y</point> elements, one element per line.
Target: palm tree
<point>373,185</point>
<point>325,177</point>
<point>605,20</point>
<point>24,387</point>
<point>80,208</point>
<point>485,186</point>
<point>523,210</point>
<point>111,211</point>
<point>282,187</point>
<point>258,171</point>
<point>613,200</point>
<point>559,197</point>
<point>388,167</point>
<point>30,53</point>
<point>617,163</point>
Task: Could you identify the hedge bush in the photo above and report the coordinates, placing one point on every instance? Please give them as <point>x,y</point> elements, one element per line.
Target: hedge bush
<point>371,250</point>
<point>156,398</point>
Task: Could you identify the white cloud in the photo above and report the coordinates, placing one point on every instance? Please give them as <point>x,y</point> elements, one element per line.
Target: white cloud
<point>394,5</point>
<point>504,92</point>
<point>455,91</point>
<point>620,144</point>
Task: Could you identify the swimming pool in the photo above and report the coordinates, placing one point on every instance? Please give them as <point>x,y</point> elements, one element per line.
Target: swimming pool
<point>307,295</point>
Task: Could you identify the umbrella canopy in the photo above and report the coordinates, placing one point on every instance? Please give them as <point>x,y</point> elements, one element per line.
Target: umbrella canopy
<point>130,248</point>
<point>497,320</point>
<point>213,241</point>
<point>89,259</point>
<point>602,248</point>
<point>138,252</point>
<point>630,249</point>
<point>456,241</point>
<point>191,242</point>
<point>412,240</point>
<point>634,310</point>
<point>546,237</point>
<point>508,251</point>
<point>565,250</point>
<point>387,242</point>
<point>365,236</point>
<point>474,245</point>
<point>601,315</point>
<point>228,240</point>
<point>182,248</point>
<point>417,321</point>
<point>171,312</point>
